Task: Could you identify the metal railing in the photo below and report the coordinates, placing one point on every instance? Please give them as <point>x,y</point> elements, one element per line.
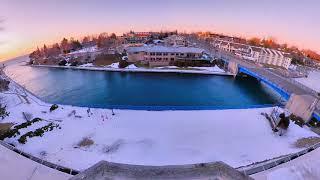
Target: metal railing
<point>262,166</point>
<point>40,161</point>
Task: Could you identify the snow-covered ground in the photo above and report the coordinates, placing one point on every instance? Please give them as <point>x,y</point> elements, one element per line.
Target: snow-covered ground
<point>312,81</point>
<point>304,167</point>
<point>87,65</point>
<point>85,50</point>
<point>236,137</point>
<point>209,69</point>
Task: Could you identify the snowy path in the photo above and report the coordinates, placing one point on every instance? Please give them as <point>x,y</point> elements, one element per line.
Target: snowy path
<point>236,137</point>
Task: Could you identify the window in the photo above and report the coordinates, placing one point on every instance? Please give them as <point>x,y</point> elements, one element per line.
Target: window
<point>172,59</point>
<point>158,54</point>
<point>172,54</point>
<point>165,54</point>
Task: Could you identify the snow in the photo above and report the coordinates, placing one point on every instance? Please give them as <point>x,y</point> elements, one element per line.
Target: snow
<point>87,65</point>
<point>208,69</point>
<point>28,169</point>
<point>304,167</point>
<point>312,81</point>
<point>131,66</point>
<point>211,69</point>
<point>114,65</point>
<point>167,67</point>
<point>85,50</point>
<point>236,137</point>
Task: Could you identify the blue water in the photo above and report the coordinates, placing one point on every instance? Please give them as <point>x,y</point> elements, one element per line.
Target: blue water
<point>105,89</point>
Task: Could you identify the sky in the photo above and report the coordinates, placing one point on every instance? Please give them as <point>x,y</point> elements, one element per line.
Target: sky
<point>26,24</point>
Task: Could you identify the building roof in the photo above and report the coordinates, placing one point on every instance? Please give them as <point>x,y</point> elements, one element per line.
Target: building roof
<point>167,49</point>
<point>256,49</point>
<point>239,46</point>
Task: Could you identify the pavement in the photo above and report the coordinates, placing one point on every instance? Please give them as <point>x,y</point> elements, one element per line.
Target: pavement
<point>13,166</point>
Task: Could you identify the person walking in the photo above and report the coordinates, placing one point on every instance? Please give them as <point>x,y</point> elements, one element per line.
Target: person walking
<point>283,124</point>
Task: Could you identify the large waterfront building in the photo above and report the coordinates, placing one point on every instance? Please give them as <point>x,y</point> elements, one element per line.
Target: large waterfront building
<point>254,53</point>
<point>175,40</point>
<point>164,55</point>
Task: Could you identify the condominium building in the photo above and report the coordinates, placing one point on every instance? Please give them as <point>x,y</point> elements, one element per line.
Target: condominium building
<point>137,37</point>
<point>175,40</point>
<point>254,53</point>
<point>164,55</point>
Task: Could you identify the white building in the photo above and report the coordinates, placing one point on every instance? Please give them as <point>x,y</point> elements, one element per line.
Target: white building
<point>254,53</point>
<point>175,40</point>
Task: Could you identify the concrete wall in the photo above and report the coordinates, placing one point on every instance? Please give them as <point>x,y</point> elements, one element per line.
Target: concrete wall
<point>302,106</point>
<point>107,170</point>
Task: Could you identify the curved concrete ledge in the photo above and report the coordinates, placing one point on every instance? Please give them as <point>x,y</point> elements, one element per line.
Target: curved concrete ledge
<point>108,170</point>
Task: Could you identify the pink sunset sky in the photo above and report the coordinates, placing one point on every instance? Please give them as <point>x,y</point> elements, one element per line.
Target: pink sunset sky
<point>26,24</point>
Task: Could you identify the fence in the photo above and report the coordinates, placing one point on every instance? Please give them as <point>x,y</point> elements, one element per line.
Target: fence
<point>249,170</point>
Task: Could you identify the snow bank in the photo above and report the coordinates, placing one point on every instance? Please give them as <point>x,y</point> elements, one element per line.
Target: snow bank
<point>85,50</point>
<point>114,65</point>
<point>87,65</point>
<point>312,81</point>
<point>131,66</point>
<point>211,69</point>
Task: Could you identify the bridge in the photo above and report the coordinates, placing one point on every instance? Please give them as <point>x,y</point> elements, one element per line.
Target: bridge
<point>283,85</point>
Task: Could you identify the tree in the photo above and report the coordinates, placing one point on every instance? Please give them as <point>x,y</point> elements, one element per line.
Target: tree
<point>76,45</point>
<point>113,36</point>
<point>65,46</point>
<point>255,41</point>
<point>123,64</point>
<point>86,39</point>
<point>270,42</point>
<point>54,50</point>
<point>45,51</point>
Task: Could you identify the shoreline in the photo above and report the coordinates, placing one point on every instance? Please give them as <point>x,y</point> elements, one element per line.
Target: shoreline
<point>137,70</point>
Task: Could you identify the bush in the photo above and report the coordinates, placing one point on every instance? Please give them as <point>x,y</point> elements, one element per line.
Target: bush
<point>314,123</point>
<point>3,112</point>
<point>62,63</point>
<point>85,142</point>
<point>75,63</point>
<point>38,132</point>
<point>297,120</point>
<point>123,64</point>
<point>53,107</point>
<point>15,131</point>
